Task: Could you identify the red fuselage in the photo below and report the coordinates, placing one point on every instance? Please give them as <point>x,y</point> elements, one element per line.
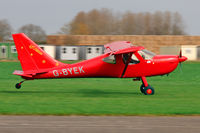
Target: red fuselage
<point>96,67</point>
<point>121,60</point>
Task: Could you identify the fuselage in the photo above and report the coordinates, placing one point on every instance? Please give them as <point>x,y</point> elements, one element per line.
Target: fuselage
<point>98,67</point>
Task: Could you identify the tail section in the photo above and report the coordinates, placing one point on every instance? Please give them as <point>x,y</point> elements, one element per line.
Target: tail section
<point>32,58</point>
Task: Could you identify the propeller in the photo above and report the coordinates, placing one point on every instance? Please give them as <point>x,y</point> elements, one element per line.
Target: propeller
<point>180,63</point>
<point>180,54</point>
<point>181,59</point>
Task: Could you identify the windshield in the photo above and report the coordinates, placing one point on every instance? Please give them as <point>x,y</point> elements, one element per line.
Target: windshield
<point>146,54</point>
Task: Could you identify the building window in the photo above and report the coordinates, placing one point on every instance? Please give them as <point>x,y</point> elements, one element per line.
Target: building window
<point>188,51</point>
<point>3,49</point>
<point>13,49</point>
<point>97,50</point>
<point>64,50</point>
<point>89,50</point>
<point>74,50</point>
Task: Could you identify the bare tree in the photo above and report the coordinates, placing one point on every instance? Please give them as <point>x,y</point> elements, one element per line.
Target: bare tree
<point>106,22</point>
<point>36,33</point>
<point>65,29</point>
<point>148,24</point>
<point>177,26</point>
<point>157,23</point>
<point>140,23</point>
<point>5,29</point>
<point>167,24</point>
<point>128,24</point>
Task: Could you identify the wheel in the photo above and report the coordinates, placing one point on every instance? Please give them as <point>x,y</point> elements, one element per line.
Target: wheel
<point>149,90</point>
<point>18,86</point>
<point>142,88</point>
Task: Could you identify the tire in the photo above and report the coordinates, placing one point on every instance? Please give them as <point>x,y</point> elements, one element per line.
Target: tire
<point>149,90</point>
<point>142,88</point>
<point>18,86</point>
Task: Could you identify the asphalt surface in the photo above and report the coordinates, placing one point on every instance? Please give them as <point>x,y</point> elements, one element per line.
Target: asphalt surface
<point>99,124</point>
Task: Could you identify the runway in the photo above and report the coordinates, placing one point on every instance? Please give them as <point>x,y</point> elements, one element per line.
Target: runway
<point>99,124</point>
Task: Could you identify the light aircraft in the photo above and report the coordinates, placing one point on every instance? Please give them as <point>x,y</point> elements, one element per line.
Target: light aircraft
<point>120,60</point>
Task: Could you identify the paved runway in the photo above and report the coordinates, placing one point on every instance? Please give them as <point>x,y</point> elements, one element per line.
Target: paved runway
<point>99,124</point>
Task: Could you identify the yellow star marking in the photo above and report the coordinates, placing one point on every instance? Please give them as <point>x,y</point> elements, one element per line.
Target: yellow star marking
<point>31,54</point>
<point>57,64</point>
<point>43,61</point>
<point>22,47</point>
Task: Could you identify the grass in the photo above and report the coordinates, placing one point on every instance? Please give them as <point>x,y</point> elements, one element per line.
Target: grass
<point>177,94</point>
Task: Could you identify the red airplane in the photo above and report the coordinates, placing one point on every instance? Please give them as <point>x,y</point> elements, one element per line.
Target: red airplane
<point>120,60</point>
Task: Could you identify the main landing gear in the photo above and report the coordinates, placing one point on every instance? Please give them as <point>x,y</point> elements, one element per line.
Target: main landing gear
<point>145,88</point>
<point>19,85</point>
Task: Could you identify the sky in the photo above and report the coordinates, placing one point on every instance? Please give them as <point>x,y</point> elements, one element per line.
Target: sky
<point>51,15</point>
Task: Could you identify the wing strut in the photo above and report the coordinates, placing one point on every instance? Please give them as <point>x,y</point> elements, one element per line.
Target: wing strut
<point>126,64</point>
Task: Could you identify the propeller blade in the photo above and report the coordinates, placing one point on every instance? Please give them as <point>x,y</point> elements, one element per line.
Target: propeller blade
<point>180,55</point>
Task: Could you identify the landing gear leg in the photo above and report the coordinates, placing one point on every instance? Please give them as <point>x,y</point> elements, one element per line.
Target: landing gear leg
<point>146,88</point>
<point>19,85</point>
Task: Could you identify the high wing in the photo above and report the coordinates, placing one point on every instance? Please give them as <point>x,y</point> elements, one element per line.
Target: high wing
<point>121,47</point>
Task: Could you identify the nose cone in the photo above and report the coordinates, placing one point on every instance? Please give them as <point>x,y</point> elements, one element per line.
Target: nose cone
<point>183,58</point>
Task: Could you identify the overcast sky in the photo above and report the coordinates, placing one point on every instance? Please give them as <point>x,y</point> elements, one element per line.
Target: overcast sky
<point>52,14</point>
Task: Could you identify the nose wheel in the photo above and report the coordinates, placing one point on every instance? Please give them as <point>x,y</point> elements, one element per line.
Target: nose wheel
<point>145,88</point>
<point>19,85</point>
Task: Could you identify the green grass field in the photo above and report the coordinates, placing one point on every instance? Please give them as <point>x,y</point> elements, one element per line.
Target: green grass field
<point>177,94</point>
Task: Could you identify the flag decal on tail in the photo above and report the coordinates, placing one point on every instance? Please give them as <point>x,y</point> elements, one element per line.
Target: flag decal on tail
<point>35,49</point>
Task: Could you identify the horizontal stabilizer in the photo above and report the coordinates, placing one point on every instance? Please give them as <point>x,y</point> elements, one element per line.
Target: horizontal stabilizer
<point>21,73</point>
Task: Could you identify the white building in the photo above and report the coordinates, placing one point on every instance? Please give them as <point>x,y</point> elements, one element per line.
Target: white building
<point>93,51</point>
<point>49,49</point>
<point>67,52</point>
<point>192,52</point>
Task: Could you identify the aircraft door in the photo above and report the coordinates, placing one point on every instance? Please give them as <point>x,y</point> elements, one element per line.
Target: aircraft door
<point>3,52</point>
<point>134,67</point>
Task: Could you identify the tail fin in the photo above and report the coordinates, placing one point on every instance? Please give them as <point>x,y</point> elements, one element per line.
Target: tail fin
<point>32,58</point>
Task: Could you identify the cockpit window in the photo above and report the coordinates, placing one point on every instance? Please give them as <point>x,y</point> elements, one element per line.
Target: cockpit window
<point>110,59</point>
<point>134,59</point>
<point>146,54</point>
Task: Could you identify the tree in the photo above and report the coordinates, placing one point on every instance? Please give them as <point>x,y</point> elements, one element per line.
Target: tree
<point>148,24</point>
<point>65,29</point>
<point>140,24</point>
<point>5,30</point>
<point>36,33</point>
<point>106,22</point>
<point>79,25</point>
<point>128,24</point>
<point>177,26</point>
<point>167,24</point>
<point>81,29</point>
<point>157,23</point>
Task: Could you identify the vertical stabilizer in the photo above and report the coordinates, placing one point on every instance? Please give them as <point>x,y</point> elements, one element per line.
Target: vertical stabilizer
<point>32,58</point>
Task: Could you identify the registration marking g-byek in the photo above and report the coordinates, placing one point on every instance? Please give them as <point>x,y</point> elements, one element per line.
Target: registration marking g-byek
<point>69,71</point>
